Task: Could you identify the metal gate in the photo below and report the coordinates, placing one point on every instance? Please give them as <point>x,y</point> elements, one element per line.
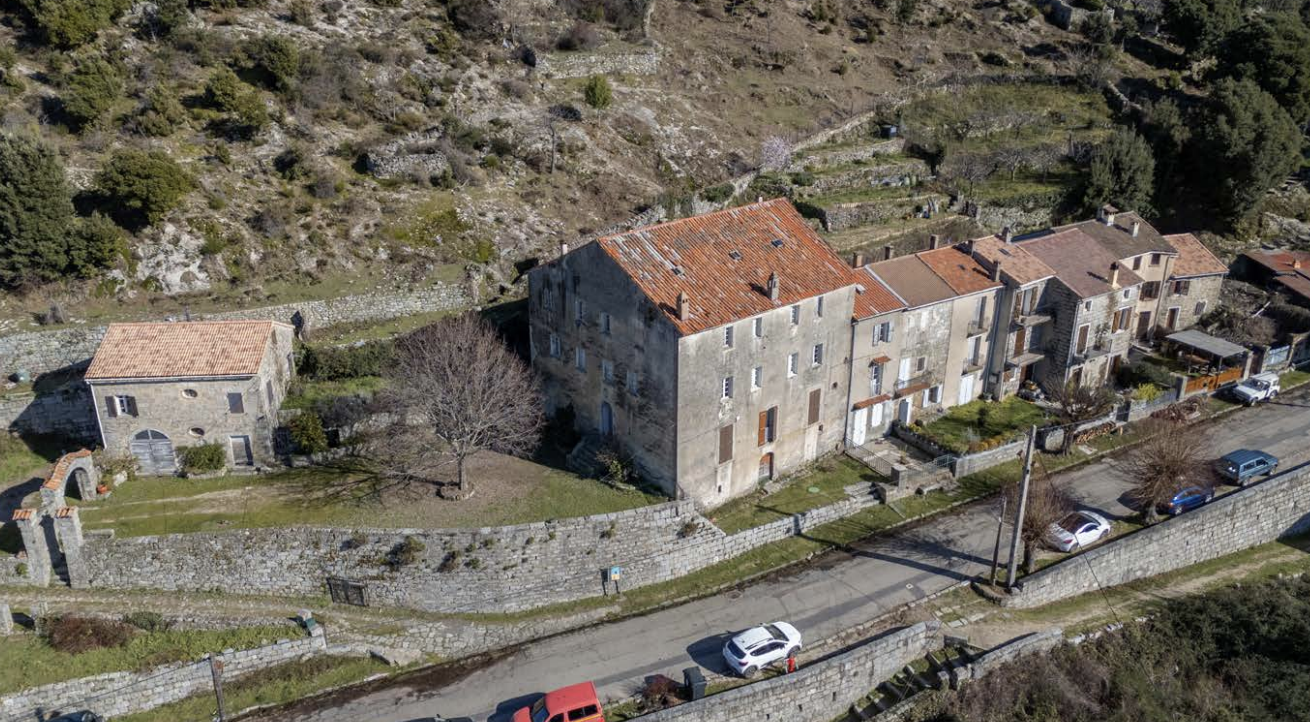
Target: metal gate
<point>154,451</point>
<point>344,591</point>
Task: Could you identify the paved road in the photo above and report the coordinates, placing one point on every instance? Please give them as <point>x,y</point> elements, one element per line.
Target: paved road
<point>841,591</point>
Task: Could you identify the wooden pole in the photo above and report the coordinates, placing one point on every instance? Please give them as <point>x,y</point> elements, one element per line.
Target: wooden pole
<point>996,552</point>
<point>1022,506</point>
<point>216,673</point>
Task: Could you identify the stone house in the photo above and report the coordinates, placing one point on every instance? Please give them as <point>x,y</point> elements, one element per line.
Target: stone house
<point>713,350</point>
<point>1278,269</point>
<point>161,386</point>
<point>1023,314</point>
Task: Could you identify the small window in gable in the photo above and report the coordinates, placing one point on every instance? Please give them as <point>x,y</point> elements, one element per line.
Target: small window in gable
<point>190,393</point>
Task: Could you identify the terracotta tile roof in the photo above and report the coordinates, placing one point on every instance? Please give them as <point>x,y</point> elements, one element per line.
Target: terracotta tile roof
<point>1017,264</point>
<point>723,261</point>
<point>21,514</point>
<point>64,512</point>
<point>60,469</point>
<point>1280,261</point>
<point>1079,261</point>
<point>876,298</point>
<point>1296,283</point>
<point>181,350</point>
<point>959,269</point>
<point>1194,259</point>
<point>1118,239</point>
<point>913,280</point>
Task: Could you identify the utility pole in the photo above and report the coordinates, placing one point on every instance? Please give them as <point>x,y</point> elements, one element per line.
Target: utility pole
<point>1022,505</point>
<point>1000,528</point>
<point>216,673</point>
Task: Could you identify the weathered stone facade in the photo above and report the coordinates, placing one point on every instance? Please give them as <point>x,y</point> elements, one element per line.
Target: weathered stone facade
<point>1084,344</point>
<point>1199,296</point>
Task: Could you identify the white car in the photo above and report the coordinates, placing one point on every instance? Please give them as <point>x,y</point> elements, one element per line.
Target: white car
<point>1261,387</point>
<point>1078,530</point>
<point>756,648</point>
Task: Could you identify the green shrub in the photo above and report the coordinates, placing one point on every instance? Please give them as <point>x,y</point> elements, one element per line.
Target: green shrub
<point>71,23</point>
<point>95,243</point>
<point>202,458</point>
<point>334,363</point>
<point>113,465</point>
<point>307,433</point>
<point>406,552</point>
<point>36,217</point>
<point>90,90</point>
<point>803,179</point>
<point>142,186</point>
<point>161,114</point>
<point>598,93</point>
<point>717,194</point>
<point>147,621</point>
<point>275,59</point>
<point>1147,392</point>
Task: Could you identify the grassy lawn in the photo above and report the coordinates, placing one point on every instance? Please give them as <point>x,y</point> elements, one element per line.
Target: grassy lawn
<point>961,426</point>
<point>1293,378</point>
<point>27,661</point>
<point>824,485</point>
<point>22,458</point>
<point>305,393</point>
<point>275,685</point>
<point>507,491</point>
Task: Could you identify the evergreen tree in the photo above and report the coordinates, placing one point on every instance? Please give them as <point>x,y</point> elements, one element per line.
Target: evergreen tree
<point>1274,51</point>
<point>1122,173</point>
<point>1200,25</point>
<point>140,187</point>
<point>90,90</point>
<point>36,212</point>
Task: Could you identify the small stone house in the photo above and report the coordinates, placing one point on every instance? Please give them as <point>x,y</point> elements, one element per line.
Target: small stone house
<point>158,387</point>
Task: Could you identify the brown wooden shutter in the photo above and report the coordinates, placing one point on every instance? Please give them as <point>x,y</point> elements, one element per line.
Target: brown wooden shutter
<point>764,425</point>
<point>131,406</point>
<point>110,406</point>
<point>1082,339</point>
<point>1020,340</point>
<point>814,406</point>
<point>725,444</point>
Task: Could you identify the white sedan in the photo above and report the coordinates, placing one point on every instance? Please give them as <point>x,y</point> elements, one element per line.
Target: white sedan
<point>756,648</point>
<point>1078,530</point>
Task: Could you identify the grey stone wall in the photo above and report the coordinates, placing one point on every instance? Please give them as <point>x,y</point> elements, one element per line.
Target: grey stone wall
<point>40,352</point>
<point>9,571</point>
<point>857,151</point>
<point>1202,290</point>
<point>996,218</point>
<point>1260,513</point>
<point>817,692</point>
<point>849,215</point>
<point>67,412</point>
<point>888,172</point>
<point>121,693</point>
<point>983,460</point>
<point>582,65</point>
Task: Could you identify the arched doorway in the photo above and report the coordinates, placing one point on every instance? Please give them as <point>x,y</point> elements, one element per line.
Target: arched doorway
<point>766,467</point>
<point>154,451</point>
<point>606,419</point>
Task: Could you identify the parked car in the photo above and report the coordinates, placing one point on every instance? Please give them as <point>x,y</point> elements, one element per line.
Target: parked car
<point>1261,387</point>
<point>576,703</point>
<point>1243,465</point>
<point>1186,500</point>
<point>442,719</point>
<point>83,716</point>
<point>756,648</point>
<point>1077,530</point>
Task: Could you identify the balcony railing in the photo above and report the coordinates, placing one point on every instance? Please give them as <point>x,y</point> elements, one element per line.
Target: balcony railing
<point>913,384</point>
<point>1096,350</point>
<point>1034,318</point>
<point>977,327</point>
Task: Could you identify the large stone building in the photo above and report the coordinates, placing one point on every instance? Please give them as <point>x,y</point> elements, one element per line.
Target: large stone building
<point>161,386</point>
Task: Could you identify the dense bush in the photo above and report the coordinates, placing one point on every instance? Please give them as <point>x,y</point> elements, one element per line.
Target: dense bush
<point>147,621</point>
<point>140,187</point>
<point>70,23</point>
<point>597,92</point>
<point>275,59</point>
<point>474,19</point>
<point>161,113</point>
<point>202,458</point>
<point>36,212</point>
<point>406,552</point>
<point>74,635</point>
<point>335,363</point>
<point>582,36</point>
<point>307,433</point>
<point>90,90</point>
<point>717,194</point>
<point>94,243</point>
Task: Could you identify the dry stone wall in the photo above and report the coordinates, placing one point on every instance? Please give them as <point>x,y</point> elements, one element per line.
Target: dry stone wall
<point>120,693</point>
<point>582,65</point>
<point>68,412</point>
<point>1261,513</point>
<point>841,216</point>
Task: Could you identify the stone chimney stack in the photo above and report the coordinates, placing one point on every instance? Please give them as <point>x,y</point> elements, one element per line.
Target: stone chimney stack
<point>887,253</point>
<point>1137,228</point>
<point>1007,234</point>
<point>996,270</point>
<point>934,241</point>
<point>774,291</point>
<point>684,306</point>
<point>1296,264</point>
<point>857,260</point>
<point>1106,215</point>
<point>1114,275</point>
<point>564,249</point>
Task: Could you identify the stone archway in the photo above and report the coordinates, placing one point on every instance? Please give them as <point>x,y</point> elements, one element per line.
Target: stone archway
<point>76,467</point>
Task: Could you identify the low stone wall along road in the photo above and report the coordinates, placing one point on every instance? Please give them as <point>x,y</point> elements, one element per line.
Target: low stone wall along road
<point>832,596</point>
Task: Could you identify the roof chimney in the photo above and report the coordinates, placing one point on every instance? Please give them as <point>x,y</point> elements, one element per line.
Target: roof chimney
<point>1137,228</point>
<point>1114,275</point>
<point>887,253</point>
<point>563,249</point>
<point>684,306</point>
<point>934,240</point>
<point>1007,234</point>
<point>1106,214</point>
<point>857,260</point>
<point>1296,264</point>
<point>773,286</point>
<point>996,270</point>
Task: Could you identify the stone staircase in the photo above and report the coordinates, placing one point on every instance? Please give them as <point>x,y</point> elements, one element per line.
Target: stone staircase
<point>582,460</point>
<point>895,692</point>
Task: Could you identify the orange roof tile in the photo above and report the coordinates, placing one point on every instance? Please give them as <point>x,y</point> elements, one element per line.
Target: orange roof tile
<point>181,350</point>
<point>1194,259</point>
<point>958,269</point>
<point>60,468</point>
<point>21,514</point>
<point>1279,260</point>
<point>64,512</point>
<point>723,261</point>
<point>1019,265</point>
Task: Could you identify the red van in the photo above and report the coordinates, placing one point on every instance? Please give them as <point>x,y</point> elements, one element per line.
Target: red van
<point>577,703</point>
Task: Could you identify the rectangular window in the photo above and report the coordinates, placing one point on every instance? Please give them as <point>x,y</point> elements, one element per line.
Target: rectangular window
<point>975,351</point>
<point>1182,288</point>
<point>121,406</point>
<point>1137,263</point>
<point>268,390</point>
<point>580,359</point>
<point>236,403</point>
<point>904,373</point>
<point>758,324</point>
<point>607,370</point>
<point>792,362</point>
<point>883,332</point>
<point>605,323</point>
<point>727,387</point>
<point>817,359</point>
<point>1200,309</point>
<point>579,310</point>
<point>818,308</point>
<point>981,319</point>
<point>935,395</point>
<point>1087,305</point>
<point>757,377</point>
<point>875,379</point>
<point>768,426</point>
<point>795,315</point>
<point>554,346</point>
<point>1171,321</point>
<point>631,382</point>
<point>725,444</point>
<point>1122,319</point>
<point>1083,331</point>
<point>1028,301</point>
<point>1150,290</point>
<point>922,363</point>
<point>1128,293</point>
<point>727,337</point>
<point>1155,259</point>
<point>815,400</point>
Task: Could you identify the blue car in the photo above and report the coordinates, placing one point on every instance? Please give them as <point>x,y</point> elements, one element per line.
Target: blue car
<point>1242,465</point>
<point>1186,500</point>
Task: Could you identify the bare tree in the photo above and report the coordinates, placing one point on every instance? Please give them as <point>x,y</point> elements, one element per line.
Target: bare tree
<point>1075,403</point>
<point>1047,504</point>
<point>970,168</point>
<point>1173,456</point>
<point>775,153</point>
<point>455,389</point>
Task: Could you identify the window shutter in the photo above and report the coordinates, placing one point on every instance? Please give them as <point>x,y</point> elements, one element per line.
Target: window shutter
<point>814,406</point>
<point>725,444</point>
<point>764,425</point>
<point>131,406</point>
<point>111,406</point>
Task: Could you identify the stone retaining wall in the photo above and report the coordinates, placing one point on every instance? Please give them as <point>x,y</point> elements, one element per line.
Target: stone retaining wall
<point>817,692</point>
<point>983,460</point>
<point>582,65</point>
<point>1261,513</point>
<point>901,173</point>
<point>68,412</point>
<point>858,151</point>
<point>13,571</point>
<point>841,216</point>
<point>121,693</point>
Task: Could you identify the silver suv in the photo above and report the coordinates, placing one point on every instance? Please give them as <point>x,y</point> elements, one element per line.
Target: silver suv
<point>1260,387</point>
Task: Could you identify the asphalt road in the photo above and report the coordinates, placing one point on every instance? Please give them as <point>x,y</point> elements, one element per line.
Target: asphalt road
<point>841,591</point>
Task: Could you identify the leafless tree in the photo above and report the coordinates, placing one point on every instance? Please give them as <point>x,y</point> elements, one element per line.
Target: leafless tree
<point>1173,456</point>
<point>455,389</point>
<point>1047,504</point>
<point>1012,159</point>
<point>969,168</point>
<point>775,153</point>
<point>1075,403</point>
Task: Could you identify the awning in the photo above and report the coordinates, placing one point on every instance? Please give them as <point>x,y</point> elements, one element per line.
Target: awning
<point>881,359</point>
<point>1212,345</point>
<point>870,402</point>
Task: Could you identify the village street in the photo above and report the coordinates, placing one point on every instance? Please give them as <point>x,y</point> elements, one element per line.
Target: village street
<point>838,592</point>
